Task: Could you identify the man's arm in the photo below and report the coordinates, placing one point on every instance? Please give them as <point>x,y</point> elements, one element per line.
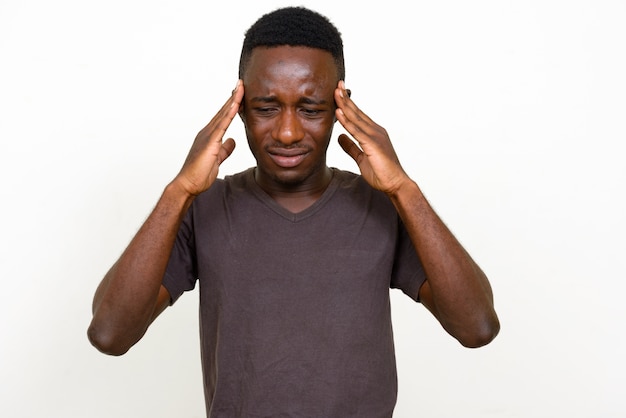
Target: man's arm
<point>456,290</point>
<point>131,295</point>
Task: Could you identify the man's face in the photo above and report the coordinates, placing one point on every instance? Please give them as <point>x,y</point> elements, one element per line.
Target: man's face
<point>288,112</point>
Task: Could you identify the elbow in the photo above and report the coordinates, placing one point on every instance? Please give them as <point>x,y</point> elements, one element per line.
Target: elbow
<point>482,334</point>
<point>105,341</point>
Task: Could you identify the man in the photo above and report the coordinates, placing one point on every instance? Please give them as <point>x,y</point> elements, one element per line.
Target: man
<point>294,259</point>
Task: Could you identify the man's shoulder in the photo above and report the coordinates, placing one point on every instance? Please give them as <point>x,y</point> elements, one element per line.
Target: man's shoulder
<point>231,183</point>
<point>240,179</point>
<point>237,180</point>
<point>354,188</point>
<point>348,180</point>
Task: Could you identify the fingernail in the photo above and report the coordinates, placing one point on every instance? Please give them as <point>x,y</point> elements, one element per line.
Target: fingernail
<point>342,85</point>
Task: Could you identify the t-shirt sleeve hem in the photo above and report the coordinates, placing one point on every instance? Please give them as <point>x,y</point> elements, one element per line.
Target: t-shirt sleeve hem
<point>412,287</point>
<point>174,287</point>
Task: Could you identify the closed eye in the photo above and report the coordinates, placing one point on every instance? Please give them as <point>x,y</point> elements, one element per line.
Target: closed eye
<point>265,110</point>
<point>312,113</point>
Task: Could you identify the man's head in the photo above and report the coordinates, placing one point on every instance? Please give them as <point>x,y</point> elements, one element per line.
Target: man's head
<point>293,26</point>
<point>292,60</point>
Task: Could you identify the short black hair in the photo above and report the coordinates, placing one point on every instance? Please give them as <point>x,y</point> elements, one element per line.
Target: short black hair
<point>293,26</point>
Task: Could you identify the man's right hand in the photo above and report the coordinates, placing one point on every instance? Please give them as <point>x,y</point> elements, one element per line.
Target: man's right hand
<point>209,149</point>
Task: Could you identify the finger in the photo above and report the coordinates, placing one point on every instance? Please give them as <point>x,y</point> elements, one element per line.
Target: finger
<point>225,115</point>
<point>350,148</point>
<point>226,150</point>
<point>210,137</point>
<point>351,110</point>
<point>356,122</point>
<point>227,112</point>
<point>358,131</point>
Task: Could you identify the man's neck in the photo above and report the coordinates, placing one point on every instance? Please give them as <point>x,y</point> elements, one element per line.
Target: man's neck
<point>298,197</point>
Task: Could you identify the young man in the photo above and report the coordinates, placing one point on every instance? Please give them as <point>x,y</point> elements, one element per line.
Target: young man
<point>294,259</point>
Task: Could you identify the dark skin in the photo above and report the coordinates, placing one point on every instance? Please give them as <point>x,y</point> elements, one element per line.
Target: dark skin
<point>293,98</point>
<point>289,113</point>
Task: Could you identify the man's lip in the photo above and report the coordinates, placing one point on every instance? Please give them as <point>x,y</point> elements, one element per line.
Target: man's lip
<point>287,158</point>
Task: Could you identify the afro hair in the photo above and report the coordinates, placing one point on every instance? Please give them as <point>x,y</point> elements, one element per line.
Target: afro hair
<point>293,26</point>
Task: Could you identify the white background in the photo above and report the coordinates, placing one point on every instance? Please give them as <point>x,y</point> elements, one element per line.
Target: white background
<point>510,116</point>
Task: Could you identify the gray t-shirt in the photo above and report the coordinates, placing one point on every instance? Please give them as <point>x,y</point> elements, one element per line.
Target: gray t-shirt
<point>294,308</point>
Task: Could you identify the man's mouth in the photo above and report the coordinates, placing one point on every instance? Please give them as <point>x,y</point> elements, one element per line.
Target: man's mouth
<point>287,158</point>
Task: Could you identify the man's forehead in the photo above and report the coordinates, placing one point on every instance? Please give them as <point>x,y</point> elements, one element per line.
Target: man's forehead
<point>291,58</point>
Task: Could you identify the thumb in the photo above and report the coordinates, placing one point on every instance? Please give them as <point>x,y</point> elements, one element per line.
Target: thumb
<point>228,146</point>
<point>349,146</point>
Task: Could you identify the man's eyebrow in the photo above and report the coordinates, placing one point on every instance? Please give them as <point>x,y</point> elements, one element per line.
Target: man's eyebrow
<point>263,99</point>
<point>310,101</point>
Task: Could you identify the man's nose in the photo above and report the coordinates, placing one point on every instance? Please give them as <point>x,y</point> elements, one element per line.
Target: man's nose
<point>288,129</point>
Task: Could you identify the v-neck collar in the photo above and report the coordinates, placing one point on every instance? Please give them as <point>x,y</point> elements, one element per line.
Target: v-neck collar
<point>272,204</point>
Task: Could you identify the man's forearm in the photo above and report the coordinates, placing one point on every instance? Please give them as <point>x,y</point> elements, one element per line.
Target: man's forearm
<point>460,295</point>
<point>125,300</point>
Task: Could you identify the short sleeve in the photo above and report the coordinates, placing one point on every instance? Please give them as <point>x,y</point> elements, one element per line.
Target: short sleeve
<point>181,272</point>
<point>408,273</point>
